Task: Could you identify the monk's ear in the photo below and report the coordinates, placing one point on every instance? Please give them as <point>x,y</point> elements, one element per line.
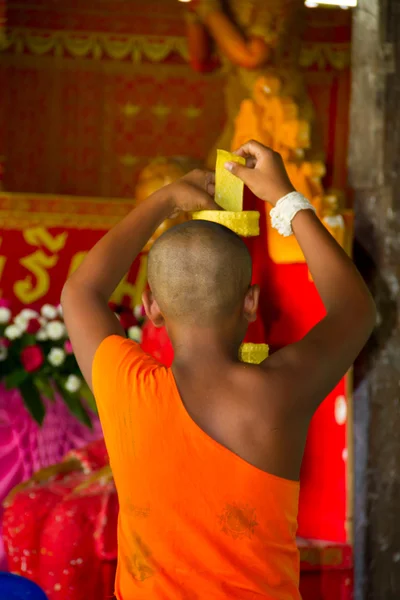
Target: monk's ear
<point>152,309</point>
<point>251,303</point>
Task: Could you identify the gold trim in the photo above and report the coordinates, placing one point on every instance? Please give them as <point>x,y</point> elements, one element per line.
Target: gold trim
<point>19,211</point>
<point>245,223</point>
<point>253,353</point>
<point>334,55</point>
<point>20,221</point>
<point>95,45</point>
<point>120,47</point>
<point>322,556</point>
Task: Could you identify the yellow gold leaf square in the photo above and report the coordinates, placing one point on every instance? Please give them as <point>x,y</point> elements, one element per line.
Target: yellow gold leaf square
<point>228,188</point>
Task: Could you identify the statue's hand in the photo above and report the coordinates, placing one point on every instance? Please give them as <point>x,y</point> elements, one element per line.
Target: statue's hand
<point>203,8</point>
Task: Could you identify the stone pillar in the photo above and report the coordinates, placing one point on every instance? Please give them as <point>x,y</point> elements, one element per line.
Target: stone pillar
<point>374,160</point>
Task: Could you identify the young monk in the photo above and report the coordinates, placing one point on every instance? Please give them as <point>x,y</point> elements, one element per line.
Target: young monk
<point>206,455</point>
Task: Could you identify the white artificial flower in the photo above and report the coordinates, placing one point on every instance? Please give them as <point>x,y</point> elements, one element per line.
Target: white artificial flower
<point>73,384</point>
<point>138,311</point>
<point>3,353</point>
<point>42,335</point>
<point>56,330</point>
<point>49,311</point>
<point>12,332</point>
<point>135,333</point>
<point>28,314</point>
<point>42,321</point>
<point>5,315</point>
<point>21,323</point>
<point>56,357</point>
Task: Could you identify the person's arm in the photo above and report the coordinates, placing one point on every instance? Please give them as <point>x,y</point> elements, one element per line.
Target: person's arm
<point>305,372</point>
<point>326,353</point>
<point>199,45</point>
<point>85,296</point>
<point>249,53</point>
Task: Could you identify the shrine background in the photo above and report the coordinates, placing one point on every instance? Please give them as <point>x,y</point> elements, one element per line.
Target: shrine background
<point>91,91</point>
<point>94,90</point>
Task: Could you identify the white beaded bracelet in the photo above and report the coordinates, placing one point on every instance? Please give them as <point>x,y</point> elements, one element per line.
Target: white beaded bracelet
<point>285,211</point>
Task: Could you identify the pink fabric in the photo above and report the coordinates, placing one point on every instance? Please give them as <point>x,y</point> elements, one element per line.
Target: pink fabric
<point>25,447</point>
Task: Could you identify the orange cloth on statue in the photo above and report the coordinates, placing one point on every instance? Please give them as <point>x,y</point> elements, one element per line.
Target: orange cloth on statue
<point>196,521</point>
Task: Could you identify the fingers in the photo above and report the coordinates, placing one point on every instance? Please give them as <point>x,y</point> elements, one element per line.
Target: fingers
<point>197,197</point>
<point>254,153</point>
<point>212,205</point>
<point>239,171</point>
<point>205,173</point>
<point>211,189</point>
<point>251,162</point>
<point>251,148</point>
<point>206,199</point>
<point>201,178</point>
<point>209,182</point>
<point>210,178</point>
<point>207,202</point>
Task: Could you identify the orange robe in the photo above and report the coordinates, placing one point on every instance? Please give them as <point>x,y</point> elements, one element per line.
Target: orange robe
<point>196,521</point>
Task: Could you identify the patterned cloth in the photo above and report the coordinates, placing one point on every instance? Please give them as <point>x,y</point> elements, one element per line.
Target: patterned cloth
<point>25,447</point>
<point>57,532</point>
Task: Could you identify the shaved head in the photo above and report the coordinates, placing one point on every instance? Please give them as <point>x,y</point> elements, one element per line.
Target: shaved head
<point>199,272</point>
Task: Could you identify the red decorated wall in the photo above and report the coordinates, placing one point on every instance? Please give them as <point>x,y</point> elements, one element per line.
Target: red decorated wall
<point>92,90</point>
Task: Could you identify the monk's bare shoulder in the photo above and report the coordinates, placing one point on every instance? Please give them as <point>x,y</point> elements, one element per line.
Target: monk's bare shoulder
<point>261,387</point>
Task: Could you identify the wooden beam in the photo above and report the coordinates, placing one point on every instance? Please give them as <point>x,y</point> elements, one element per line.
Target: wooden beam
<point>374,159</point>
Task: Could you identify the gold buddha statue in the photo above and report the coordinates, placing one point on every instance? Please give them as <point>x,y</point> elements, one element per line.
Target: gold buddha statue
<point>254,39</point>
<point>266,99</point>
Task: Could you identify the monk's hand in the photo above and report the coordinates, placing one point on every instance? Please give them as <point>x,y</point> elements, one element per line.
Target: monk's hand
<point>264,173</point>
<point>195,191</point>
<point>203,179</point>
